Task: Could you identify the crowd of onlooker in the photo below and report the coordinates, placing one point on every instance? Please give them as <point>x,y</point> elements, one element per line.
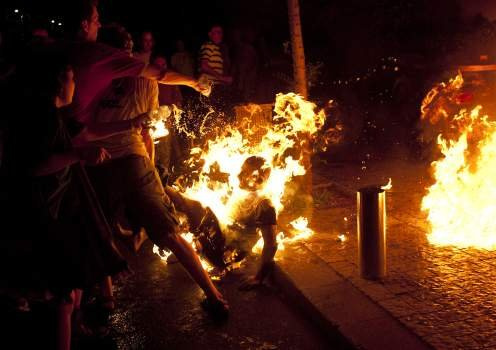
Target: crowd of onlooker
<point>81,177</point>
<point>79,168</point>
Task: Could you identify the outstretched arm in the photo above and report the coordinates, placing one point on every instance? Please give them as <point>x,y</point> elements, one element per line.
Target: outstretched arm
<point>268,252</point>
<point>169,77</point>
<point>267,260</point>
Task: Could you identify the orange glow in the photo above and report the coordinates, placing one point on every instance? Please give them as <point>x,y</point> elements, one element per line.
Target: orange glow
<point>216,185</point>
<point>295,120</point>
<point>299,231</point>
<point>460,204</point>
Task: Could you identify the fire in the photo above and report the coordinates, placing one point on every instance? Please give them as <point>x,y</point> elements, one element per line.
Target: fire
<point>299,231</point>
<point>436,105</point>
<point>188,237</point>
<point>217,184</point>
<point>164,254</point>
<point>213,178</point>
<point>158,119</point>
<point>159,130</point>
<point>460,204</point>
<point>387,186</point>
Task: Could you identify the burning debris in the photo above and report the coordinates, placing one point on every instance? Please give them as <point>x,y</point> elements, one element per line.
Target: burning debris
<point>460,204</point>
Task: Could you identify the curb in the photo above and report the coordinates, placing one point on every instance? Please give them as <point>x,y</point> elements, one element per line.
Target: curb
<point>302,303</point>
<point>348,318</point>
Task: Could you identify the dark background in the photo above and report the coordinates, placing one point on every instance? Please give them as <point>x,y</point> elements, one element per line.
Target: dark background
<point>376,58</point>
<point>347,33</point>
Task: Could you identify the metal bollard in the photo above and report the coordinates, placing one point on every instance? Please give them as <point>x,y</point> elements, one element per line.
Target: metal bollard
<point>371,206</point>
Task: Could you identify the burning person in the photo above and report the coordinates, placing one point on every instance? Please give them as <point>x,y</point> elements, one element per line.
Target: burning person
<point>252,213</point>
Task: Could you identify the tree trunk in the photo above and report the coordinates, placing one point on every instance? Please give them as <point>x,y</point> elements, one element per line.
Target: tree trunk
<point>297,49</point>
<point>304,183</point>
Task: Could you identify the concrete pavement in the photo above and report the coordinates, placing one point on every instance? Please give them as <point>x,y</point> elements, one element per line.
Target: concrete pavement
<point>439,297</point>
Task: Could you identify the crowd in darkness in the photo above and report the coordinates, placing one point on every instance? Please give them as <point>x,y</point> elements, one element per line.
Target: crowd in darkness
<point>79,168</point>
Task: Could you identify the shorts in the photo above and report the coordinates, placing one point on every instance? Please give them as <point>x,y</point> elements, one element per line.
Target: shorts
<point>133,184</point>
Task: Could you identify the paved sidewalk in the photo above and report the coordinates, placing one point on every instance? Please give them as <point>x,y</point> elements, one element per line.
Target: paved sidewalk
<point>441,295</point>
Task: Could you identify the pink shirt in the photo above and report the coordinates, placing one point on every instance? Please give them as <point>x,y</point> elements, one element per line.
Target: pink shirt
<point>95,66</point>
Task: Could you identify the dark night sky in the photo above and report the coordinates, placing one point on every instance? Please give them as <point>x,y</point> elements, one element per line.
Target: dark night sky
<point>189,17</point>
<point>182,18</point>
<point>486,7</point>
<point>333,29</point>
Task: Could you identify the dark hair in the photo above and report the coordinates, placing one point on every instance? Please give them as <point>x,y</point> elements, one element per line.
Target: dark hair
<point>147,31</point>
<point>77,12</point>
<point>213,25</point>
<point>114,35</point>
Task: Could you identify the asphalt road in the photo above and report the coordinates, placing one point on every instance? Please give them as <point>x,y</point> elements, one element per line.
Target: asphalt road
<point>158,307</point>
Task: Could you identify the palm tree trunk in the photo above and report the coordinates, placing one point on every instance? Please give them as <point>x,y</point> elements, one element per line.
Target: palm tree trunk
<point>297,48</point>
<point>299,72</point>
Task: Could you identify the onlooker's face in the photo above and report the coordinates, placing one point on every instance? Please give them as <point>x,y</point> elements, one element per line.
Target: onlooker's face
<point>216,35</point>
<point>147,42</point>
<point>160,62</point>
<point>91,26</point>
<point>129,44</point>
<point>67,86</point>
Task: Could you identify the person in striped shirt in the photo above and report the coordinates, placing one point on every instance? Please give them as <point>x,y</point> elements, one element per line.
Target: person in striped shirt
<point>212,62</point>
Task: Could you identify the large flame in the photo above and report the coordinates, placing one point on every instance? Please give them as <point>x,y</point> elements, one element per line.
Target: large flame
<point>299,231</point>
<point>460,204</point>
<point>284,146</point>
<point>165,254</point>
<point>158,119</point>
<point>217,183</point>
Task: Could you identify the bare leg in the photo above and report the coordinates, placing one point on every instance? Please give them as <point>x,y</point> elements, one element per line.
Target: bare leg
<point>189,259</point>
<point>183,251</point>
<point>78,324</point>
<point>78,294</point>
<point>107,293</point>
<point>64,313</point>
<point>150,207</point>
<point>162,232</point>
<point>193,209</point>
<point>139,238</point>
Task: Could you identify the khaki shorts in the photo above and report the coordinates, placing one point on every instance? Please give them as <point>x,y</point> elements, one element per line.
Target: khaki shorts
<point>132,183</point>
